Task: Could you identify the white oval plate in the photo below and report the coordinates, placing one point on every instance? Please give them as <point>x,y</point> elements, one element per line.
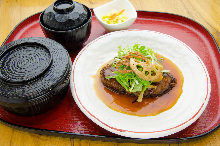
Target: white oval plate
<point>189,107</point>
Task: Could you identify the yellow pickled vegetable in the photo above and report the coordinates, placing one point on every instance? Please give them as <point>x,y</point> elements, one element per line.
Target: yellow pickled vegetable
<point>115,17</point>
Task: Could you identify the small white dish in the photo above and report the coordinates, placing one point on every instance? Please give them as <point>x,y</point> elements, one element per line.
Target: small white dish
<point>117,5</point>
<point>189,107</point>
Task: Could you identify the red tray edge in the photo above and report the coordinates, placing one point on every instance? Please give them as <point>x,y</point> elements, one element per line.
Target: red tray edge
<point>107,138</point>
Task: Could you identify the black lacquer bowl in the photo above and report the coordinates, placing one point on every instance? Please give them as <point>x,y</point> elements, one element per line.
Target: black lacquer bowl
<point>34,75</point>
<point>67,22</point>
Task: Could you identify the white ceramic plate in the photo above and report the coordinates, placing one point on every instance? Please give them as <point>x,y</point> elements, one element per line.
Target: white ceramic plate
<point>189,107</point>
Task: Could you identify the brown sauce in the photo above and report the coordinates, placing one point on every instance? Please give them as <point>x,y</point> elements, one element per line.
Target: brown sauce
<point>149,106</point>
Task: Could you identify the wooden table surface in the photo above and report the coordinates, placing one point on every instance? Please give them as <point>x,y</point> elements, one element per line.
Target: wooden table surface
<point>206,12</point>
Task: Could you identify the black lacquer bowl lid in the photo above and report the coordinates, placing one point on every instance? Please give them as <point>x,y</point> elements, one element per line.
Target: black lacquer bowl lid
<point>32,69</point>
<point>65,15</point>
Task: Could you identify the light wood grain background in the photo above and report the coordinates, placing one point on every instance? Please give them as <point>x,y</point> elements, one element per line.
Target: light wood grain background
<point>206,12</point>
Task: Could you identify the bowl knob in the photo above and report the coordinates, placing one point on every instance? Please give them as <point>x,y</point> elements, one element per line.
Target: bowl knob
<point>63,6</point>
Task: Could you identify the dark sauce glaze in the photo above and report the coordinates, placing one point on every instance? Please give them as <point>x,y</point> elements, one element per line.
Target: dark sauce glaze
<point>149,106</point>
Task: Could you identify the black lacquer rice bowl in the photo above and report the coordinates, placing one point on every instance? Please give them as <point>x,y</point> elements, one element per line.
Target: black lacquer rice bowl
<point>34,75</point>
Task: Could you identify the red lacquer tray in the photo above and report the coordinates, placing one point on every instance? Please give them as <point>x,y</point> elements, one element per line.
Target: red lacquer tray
<point>66,119</point>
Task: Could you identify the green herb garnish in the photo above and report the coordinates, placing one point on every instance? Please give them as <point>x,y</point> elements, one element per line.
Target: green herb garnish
<point>130,81</point>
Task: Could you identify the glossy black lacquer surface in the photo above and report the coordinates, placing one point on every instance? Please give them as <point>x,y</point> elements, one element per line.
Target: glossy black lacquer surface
<point>67,22</point>
<point>34,75</point>
<point>65,15</point>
